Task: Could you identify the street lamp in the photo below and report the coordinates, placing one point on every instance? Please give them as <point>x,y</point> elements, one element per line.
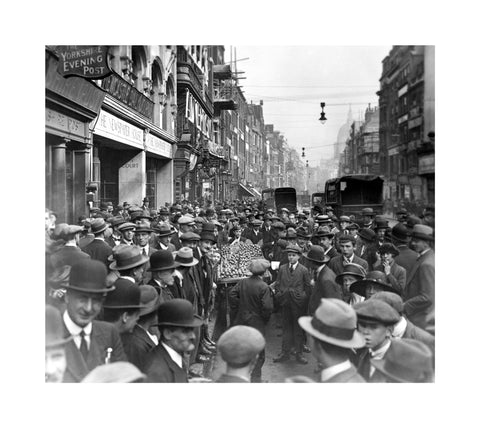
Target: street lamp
<point>322,119</point>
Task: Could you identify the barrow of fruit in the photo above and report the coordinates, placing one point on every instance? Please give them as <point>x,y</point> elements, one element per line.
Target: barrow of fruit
<point>235,259</point>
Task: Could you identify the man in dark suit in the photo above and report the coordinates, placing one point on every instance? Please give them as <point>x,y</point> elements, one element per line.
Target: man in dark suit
<point>324,284</point>
<point>143,234</point>
<point>69,253</point>
<point>94,342</point>
<point>292,288</point>
<point>324,237</point>
<point>166,362</point>
<point>98,249</point>
<point>143,338</point>
<point>116,237</point>
<point>333,331</point>
<point>163,234</point>
<point>240,347</point>
<point>253,233</point>
<point>396,275</point>
<point>347,247</point>
<point>419,294</point>
<point>406,257</point>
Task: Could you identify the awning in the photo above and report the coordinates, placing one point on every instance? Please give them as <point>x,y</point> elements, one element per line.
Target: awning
<point>249,191</point>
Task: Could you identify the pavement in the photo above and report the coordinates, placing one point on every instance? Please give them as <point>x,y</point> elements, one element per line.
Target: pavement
<point>271,372</point>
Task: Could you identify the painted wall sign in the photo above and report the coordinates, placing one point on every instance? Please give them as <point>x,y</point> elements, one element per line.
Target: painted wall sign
<point>64,123</point>
<point>90,62</point>
<point>156,145</point>
<point>117,129</point>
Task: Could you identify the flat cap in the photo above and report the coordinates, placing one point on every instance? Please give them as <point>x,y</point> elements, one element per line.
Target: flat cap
<point>393,299</point>
<point>64,230</point>
<point>375,310</point>
<point>295,248</point>
<point>117,372</point>
<point>278,225</point>
<point>240,344</point>
<point>258,266</point>
<point>186,220</point>
<point>126,226</point>
<point>189,236</point>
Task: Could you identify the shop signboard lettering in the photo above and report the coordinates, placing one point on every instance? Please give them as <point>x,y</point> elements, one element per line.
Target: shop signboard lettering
<point>64,123</point>
<point>156,145</point>
<point>90,62</point>
<point>117,129</point>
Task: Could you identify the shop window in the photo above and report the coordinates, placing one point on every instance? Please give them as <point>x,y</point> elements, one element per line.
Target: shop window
<point>151,185</point>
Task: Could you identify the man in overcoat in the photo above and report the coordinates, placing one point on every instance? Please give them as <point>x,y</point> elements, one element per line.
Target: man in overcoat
<point>98,249</point>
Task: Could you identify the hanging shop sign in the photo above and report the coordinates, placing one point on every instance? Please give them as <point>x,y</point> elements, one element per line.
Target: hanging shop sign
<point>90,62</point>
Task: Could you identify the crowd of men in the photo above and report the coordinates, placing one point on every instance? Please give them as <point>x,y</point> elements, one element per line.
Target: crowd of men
<point>130,292</point>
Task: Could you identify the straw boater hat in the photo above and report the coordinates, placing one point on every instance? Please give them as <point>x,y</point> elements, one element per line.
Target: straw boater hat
<point>184,257</point>
<point>128,257</point>
<point>334,322</point>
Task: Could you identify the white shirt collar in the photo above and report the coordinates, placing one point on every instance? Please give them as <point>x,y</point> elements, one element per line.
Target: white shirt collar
<point>71,244</point>
<point>75,329</point>
<point>174,355</point>
<point>349,259</point>
<point>332,371</point>
<point>380,352</point>
<point>399,328</point>
<point>100,238</point>
<point>129,278</point>
<point>423,252</point>
<point>294,266</point>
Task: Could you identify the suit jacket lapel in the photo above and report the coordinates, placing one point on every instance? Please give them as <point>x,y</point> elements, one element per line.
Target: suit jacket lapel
<point>76,366</point>
<point>414,268</point>
<point>97,351</point>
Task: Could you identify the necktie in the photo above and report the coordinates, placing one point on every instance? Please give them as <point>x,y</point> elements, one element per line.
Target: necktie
<point>144,252</point>
<point>291,268</point>
<point>83,345</point>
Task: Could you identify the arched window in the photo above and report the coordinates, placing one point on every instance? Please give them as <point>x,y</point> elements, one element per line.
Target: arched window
<point>139,65</point>
<point>157,97</point>
<point>167,117</point>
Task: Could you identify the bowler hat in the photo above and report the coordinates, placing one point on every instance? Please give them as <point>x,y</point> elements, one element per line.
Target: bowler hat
<point>162,260</point>
<point>189,236</point>
<point>98,225</point>
<point>184,257</point>
<point>422,231</point>
<point>125,296</point>
<point>352,269</point>
<point>128,257</point>
<point>126,226</point>
<point>207,236</point>
<point>88,276</point>
<point>240,344</point>
<point>375,310</point>
<point>400,233</point>
<point>54,330</point>
<point>374,277</point>
<point>149,298</point>
<point>367,235</point>
<point>293,249</point>
<point>334,322</point>
<point>388,247</point>
<point>317,254</point>
<point>393,299</point>
<point>258,266</point>
<point>163,229</point>
<point>116,372</point>
<point>179,313</point>
<point>407,360</point>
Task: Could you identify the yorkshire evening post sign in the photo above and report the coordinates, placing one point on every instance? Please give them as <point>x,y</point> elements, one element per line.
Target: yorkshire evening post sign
<point>90,62</point>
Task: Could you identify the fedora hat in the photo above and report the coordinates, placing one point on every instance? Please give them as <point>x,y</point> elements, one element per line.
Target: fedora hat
<point>207,236</point>
<point>164,211</point>
<point>117,220</point>
<point>184,257</point>
<point>115,250</point>
<point>334,322</point>
<point>400,233</point>
<point>303,233</point>
<point>374,277</point>
<point>162,260</point>
<point>367,235</point>
<point>389,248</point>
<point>126,226</point>
<point>125,296</point>
<point>407,360</point>
<point>88,276</point>
<point>316,254</point>
<point>278,225</point>
<point>149,298</point>
<point>352,269</point>
<point>208,227</point>
<point>381,223</point>
<point>128,257</point>
<point>54,330</point>
<point>412,220</point>
<point>179,313</point>
<point>240,344</point>
<point>258,266</point>
<point>98,225</point>
<point>116,372</point>
<point>374,311</point>
<point>422,231</point>
<point>163,229</point>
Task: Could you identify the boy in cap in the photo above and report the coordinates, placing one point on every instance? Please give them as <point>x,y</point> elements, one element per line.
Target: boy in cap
<point>127,230</point>
<point>396,275</point>
<point>118,372</point>
<point>94,342</point>
<point>240,347</point>
<point>332,330</point>
<point>292,293</point>
<point>375,322</point>
<point>251,304</point>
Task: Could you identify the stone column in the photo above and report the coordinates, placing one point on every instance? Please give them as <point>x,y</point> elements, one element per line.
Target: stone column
<point>59,183</point>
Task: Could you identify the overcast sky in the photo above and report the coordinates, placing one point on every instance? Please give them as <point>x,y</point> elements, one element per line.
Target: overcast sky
<point>293,80</point>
